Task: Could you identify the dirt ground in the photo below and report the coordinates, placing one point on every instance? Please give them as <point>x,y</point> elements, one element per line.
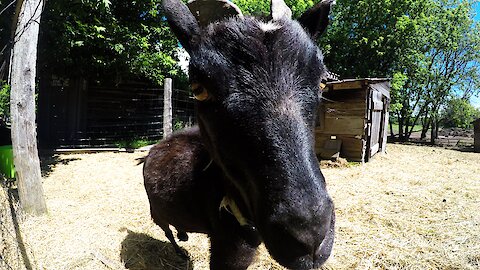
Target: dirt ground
<point>412,208</point>
<point>452,138</point>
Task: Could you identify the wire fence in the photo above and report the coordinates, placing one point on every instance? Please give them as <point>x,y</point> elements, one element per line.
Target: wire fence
<point>77,115</point>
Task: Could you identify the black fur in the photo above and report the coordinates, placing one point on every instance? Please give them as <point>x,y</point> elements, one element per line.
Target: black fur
<point>257,126</point>
<point>315,20</point>
<point>185,190</point>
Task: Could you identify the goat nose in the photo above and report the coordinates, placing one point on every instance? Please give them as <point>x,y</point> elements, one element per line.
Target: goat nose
<point>324,250</point>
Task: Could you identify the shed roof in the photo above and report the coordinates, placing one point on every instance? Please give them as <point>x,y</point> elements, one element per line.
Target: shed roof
<point>380,84</point>
<point>369,80</point>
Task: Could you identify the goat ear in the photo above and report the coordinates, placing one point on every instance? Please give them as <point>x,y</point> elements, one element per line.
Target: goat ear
<point>280,10</point>
<point>182,22</point>
<point>207,11</point>
<point>315,20</point>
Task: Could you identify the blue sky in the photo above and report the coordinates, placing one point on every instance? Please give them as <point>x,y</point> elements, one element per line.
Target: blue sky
<point>477,9</point>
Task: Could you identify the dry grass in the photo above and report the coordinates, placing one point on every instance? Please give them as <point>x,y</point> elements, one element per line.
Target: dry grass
<point>414,208</point>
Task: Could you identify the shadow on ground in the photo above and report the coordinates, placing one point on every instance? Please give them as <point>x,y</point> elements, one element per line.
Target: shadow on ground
<point>459,146</point>
<point>140,251</point>
<point>13,252</point>
<point>49,160</point>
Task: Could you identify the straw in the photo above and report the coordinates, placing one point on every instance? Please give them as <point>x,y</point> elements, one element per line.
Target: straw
<point>413,208</point>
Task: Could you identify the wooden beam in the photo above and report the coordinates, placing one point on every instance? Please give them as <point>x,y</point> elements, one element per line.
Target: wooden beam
<point>348,85</point>
<point>167,107</point>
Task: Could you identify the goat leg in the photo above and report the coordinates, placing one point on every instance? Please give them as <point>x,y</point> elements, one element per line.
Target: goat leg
<point>169,235</point>
<point>228,247</point>
<point>182,236</point>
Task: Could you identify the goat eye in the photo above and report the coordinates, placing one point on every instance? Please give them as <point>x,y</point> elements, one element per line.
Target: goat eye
<point>199,92</point>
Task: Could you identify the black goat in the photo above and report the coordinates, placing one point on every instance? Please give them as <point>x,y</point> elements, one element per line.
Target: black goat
<point>186,189</point>
<point>257,86</point>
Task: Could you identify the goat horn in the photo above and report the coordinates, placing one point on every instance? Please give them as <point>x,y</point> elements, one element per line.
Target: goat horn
<point>208,11</point>
<point>280,10</point>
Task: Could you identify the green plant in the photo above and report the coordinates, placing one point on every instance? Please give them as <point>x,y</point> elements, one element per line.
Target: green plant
<point>134,143</point>
<point>4,101</point>
<point>179,124</point>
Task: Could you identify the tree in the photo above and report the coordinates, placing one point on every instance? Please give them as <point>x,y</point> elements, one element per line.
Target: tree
<point>24,141</point>
<point>254,7</point>
<point>7,9</point>
<point>108,42</point>
<point>459,113</point>
<point>429,48</point>
<point>455,59</point>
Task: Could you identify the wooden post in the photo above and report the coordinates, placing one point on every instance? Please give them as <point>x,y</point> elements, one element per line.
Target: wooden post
<point>167,107</point>
<point>476,130</point>
<point>22,100</point>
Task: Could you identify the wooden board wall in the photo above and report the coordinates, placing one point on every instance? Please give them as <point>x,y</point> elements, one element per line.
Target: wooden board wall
<point>356,112</point>
<point>342,114</point>
<point>376,122</point>
<point>353,147</point>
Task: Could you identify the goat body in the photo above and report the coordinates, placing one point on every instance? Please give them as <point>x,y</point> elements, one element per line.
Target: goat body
<point>185,190</point>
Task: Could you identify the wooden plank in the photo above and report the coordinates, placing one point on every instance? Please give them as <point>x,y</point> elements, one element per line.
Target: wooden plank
<point>378,106</point>
<point>351,105</point>
<point>353,156</point>
<point>374,149</point>
<point>383,88</point>
<point>331,149</point>
<point>384,130</point>
<point>352,148</point>
<point>346,96</point>
<point>352,144</point>
<point>345,109</point>
<point>353,126</point>
<point>347,85</point>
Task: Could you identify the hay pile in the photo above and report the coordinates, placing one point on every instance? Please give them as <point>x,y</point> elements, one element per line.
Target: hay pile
<point>415,208</point>
<point>337,163</point>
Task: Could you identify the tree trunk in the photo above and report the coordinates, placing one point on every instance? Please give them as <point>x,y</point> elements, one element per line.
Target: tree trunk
<point>392,134</point>
<point>401,120</point>
<point>432,132</point>
<point>22,100</point>
<point>425,127</point>
<point>407,128</point>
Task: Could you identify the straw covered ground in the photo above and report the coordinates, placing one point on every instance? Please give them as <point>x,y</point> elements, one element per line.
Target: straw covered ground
<point>413,208</point>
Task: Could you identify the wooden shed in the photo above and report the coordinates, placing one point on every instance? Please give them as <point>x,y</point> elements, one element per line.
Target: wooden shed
<point>476,129</point>
<point>353,119</point>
